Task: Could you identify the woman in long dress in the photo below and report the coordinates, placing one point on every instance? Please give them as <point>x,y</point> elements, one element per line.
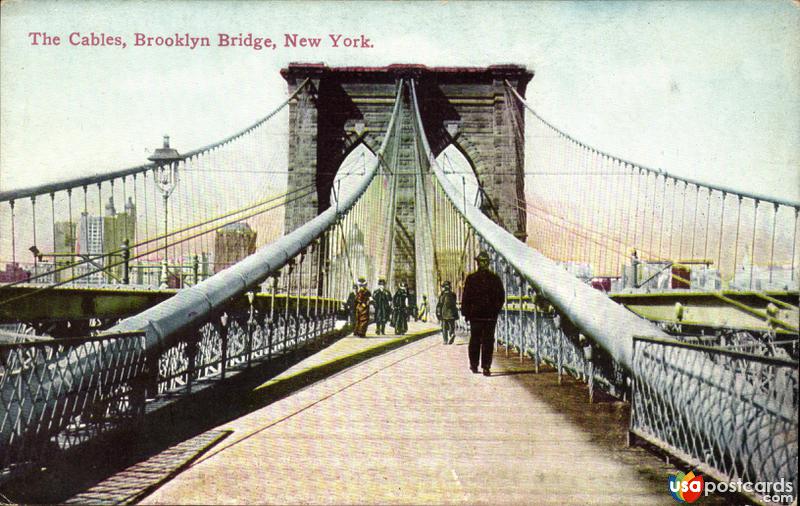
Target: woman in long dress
<point>362,309</point>
<point>400,310</point>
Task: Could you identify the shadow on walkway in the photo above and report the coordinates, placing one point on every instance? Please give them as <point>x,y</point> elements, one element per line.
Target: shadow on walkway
<point>165,429</point>
<point>606,420</point>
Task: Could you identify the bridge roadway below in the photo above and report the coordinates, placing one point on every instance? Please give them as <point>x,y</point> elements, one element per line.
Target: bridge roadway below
<point>414,425</point>
<point>70,311</point>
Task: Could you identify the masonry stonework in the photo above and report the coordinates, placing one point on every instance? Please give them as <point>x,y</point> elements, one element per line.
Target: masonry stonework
<point>468,107</point>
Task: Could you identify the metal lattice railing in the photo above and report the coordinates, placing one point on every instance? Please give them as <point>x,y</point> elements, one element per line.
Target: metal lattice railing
<point>234,341</point>
<point>57,394</point>
<point>732,415</point>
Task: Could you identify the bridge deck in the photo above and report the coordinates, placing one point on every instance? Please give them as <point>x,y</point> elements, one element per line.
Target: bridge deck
<point>415,426</point>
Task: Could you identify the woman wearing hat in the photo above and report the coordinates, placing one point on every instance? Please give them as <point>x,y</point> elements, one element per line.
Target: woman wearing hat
<point>400,310</point>
<point>362,309</point>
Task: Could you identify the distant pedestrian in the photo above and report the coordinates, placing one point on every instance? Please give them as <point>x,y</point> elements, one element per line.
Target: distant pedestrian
<point>382,300</point>
<point>483,298</point>
<point>400,310</point>
<point>412,304</point>
<point>447,313</point>
<point>350,306</point>
<point>362,309</point>
<point>422,314</point>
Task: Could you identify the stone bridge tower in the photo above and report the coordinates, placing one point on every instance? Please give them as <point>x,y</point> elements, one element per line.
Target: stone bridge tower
<point>469,107</point>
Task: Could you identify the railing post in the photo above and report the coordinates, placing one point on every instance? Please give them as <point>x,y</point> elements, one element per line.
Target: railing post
<point>589,356</point>
<point>631,439</point>
<point>286,308</point>
<point>251,295</point>
<point>537,360</point>
<point>126,257</point>
<point>523,318</point>
<point>222,328</point>
<point>561,338</point>
<point>506,321</point>
<point>195,269</point>
<point>297,309</point>
<point>151,374</point>
<point>191,355</point>
<point>271,325</point>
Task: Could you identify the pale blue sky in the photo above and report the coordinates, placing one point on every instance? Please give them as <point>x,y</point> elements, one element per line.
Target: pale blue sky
<point>708,90</point>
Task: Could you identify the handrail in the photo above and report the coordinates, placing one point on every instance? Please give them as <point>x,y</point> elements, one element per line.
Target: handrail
<point>752,357</point>
<point>604,321</point>
<point>69,184</point>
<point>658,172</point>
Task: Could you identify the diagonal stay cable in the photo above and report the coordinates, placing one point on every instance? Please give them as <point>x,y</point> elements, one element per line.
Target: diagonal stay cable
<point>61,283</point>
<point>89,259</point>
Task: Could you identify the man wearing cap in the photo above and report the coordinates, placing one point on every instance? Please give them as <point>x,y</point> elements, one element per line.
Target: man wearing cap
<point>362,309</point>
<point>447,313</point>
<point>483,298</point>
<point>400,310</point>
<point>382,300</point>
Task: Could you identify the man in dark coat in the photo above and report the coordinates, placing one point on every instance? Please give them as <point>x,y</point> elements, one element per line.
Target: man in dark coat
<point>412,304</point>
<point>483,298</point>
<point>400,310</point>
<point>447,313</point>
<point>382,300</point>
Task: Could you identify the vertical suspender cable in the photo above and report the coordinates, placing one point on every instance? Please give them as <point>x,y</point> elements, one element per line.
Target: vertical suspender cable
<point>35,257</point>
<point>660,255</point>
<point>753,241</point>
<point>736,242</point>
<point>719,246</point>
<point>794,239</point>
<point>72,234</point>
<point>683,215</point>
<point>694,217</point>
<point>772,242</point>
<point>13,234</point>
<point>708,225</point>
<point>651,253</point>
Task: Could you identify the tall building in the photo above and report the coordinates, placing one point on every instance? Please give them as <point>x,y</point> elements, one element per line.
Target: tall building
<point>118,227</point>
<point>64,246</point>
<point>232,243</point>
<point>90,243</point>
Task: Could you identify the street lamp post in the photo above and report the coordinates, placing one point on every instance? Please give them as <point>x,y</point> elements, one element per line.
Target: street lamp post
<point>167,160</point>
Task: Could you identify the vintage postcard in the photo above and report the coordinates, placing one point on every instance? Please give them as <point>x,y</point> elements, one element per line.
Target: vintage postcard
<point>409,252</point>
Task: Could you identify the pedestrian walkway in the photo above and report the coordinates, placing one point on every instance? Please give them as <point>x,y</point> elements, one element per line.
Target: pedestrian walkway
<point>415,426</point>
<point>352,345</point>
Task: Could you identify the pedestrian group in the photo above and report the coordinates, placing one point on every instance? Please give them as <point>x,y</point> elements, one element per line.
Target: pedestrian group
<point>482,299</point>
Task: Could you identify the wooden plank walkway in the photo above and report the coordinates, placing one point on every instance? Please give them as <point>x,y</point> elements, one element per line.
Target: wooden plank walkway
<point>415,426</point>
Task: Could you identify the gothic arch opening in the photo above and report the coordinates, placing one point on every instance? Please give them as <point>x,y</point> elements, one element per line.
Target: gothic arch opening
<point>460,171</point>
<point>350,171</point>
